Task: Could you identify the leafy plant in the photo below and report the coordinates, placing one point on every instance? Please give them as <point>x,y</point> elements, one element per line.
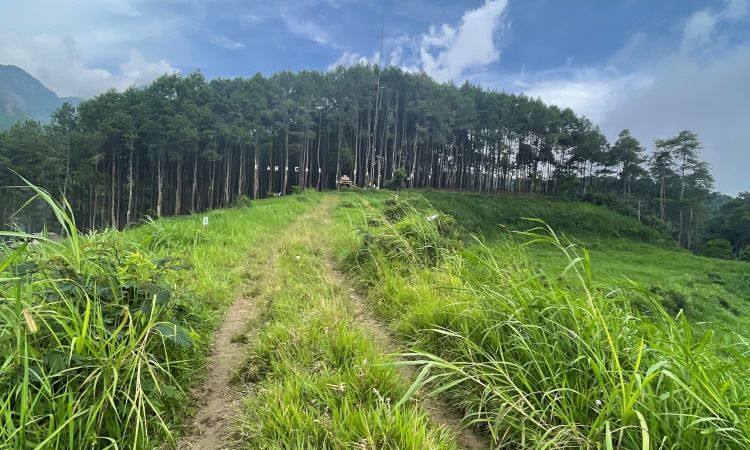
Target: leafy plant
<point>718,248</point>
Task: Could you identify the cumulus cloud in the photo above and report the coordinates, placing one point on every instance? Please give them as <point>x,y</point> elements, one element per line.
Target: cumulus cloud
<point>84,47</point>
<point>709,97</point>
<point>447,52</point>
<point>351,59</point>
<point>656,90</point>
<point>595,92</point>
<point>57,62</point>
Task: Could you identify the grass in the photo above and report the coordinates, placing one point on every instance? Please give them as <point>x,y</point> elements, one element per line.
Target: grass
<point>317,378</point>
<point>707,290</point>
<point>102,335</point>
<point>539,360</point>
<point>628,343</point>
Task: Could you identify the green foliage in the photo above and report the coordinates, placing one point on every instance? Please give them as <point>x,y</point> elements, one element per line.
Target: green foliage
<point>491,215</point>
<point>420,237</point>
<point>718,248</point>
<point>745,254</point>
<point>191,145</point>
<point>243,201</point>
<point>320,381</point>
<point>94,343</point>
<point>103,335</point>
<point>732,221</point>
<point>397,181</point>
<point>542,360</point>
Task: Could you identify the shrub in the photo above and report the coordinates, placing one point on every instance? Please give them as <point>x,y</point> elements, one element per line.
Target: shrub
<point>243,201</point>
<point>398,181</point>
<point>409,234</point>
<point>745,254</point>
<point>718,248</point>
<point>95,351</point>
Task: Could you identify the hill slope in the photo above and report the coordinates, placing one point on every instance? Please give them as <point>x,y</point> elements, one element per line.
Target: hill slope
<point>24,97</point>
<point>705,289</point>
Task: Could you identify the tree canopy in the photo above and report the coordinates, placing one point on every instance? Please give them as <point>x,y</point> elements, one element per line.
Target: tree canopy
<point>185,143</point>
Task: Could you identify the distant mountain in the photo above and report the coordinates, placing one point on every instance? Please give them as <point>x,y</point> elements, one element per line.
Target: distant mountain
<point>24,97</point>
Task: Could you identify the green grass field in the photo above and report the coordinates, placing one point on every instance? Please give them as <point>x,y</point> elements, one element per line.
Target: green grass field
<point>540,359</point>
<point>596,332</point>
<point>622,250</point>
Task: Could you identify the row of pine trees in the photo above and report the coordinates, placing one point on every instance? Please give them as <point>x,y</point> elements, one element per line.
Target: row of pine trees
<point>186,144</point>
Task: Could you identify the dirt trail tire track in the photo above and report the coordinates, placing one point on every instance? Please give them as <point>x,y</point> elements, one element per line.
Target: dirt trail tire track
<point>439,411</point>
<point>217,399</point>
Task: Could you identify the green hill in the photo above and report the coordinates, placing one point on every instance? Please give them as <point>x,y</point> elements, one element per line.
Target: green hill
<point>705,289</point>
<point>491,214</point>
<point>24,97</point>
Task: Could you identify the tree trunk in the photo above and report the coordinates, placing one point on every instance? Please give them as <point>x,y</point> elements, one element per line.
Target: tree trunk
<point>317,156</point>
<point>286,158</point>
<point>159,181</point>
<point>255,173</point>
<point>195,182</point>
<point>178,188</point>
<point>129,215</point>
<point>228,148</point>
<point>113,219</point>
<point>241,179</point>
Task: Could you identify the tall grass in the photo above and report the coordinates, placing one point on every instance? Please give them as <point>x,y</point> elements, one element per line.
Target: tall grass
<point>543,361</point>
<point>91,345</point>
<point>101,335</point>
<point>318,380</point>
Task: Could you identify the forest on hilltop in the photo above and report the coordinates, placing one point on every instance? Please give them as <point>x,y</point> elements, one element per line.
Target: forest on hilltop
<point>186,144</point>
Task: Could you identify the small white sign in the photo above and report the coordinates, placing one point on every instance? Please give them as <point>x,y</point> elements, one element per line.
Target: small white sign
<point>205,220</point>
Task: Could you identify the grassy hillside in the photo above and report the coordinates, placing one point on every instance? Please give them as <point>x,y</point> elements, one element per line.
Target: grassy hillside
<point>706,289</point>
<point>539,360</point>
<point>545,345</point>
<point>490,215</point>
<point>103,335</point>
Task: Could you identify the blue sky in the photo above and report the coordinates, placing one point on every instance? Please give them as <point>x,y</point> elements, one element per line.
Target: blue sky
<point>656,67</point>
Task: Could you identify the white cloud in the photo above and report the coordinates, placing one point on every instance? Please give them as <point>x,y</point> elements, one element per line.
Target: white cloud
<point>305,28</point>
<point>227,43</point>
<point>444,52</point>
<point>56,61</point>
<point>699,29</point>
<point>351,59</point>
<point>592,92</point>
<point>736,9</point>
<point>122,7</point>
<point>250,18</point>
<point>699,83</point>
<point>84,47</point>
<point>447,52</point>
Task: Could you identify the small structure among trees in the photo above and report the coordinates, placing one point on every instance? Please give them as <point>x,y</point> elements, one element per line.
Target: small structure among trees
<point>345,181</point>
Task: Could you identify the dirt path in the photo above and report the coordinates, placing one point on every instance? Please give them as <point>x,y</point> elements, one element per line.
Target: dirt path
<point>439,411</point>
<point>217,400</point>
